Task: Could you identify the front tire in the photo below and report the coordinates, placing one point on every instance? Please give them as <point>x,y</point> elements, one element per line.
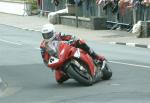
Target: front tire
<point>81,75</point>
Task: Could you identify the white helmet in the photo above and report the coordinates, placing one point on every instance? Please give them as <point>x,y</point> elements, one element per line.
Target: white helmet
<point>48,31</point>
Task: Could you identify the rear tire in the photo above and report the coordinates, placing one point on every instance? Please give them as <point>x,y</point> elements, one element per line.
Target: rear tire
<point>79,75</point>
<point>107,73</point>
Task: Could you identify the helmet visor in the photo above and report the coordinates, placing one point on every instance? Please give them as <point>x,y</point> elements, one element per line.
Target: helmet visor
<point>48,35</point>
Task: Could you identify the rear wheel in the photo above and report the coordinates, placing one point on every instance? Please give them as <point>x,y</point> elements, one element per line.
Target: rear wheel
<point>107,73</point>
<point>79,71</point>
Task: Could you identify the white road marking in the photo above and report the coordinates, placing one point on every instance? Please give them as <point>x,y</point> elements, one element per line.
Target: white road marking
<point>6,41</point>
<point>10,91</point>
<point>136,65</point>
<point>112,42</point>
<point>148,46</point>
<point>115,84</point>
<point>130,44</point>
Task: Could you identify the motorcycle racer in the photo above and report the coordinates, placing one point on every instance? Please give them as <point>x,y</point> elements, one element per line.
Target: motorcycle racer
<point>50,36</point>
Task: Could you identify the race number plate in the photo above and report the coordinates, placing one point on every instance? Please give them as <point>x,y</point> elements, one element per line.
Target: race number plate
<point>53,60</point>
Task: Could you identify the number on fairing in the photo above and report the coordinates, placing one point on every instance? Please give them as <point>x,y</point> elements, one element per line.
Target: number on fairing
<point>53,60</point>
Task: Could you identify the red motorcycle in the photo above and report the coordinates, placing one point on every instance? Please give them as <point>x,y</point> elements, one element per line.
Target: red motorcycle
<point>78,64</point>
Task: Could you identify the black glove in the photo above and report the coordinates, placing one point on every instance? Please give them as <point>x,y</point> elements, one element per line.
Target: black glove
<point>42,52</point>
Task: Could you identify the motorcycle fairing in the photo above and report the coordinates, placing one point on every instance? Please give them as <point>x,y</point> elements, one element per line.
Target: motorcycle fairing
<point>53,60</point>
<point>66,52</point>
<point>89,61</point>
<point>77,53</point>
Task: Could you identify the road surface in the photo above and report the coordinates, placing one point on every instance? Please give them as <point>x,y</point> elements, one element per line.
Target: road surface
<point>28,80</point>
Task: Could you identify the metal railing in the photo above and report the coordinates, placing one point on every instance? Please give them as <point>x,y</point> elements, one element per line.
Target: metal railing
<point>49,5</point>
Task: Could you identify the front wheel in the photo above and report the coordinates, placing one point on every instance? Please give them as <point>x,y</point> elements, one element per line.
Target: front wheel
<point>106,71</point>
<point>80,72</point>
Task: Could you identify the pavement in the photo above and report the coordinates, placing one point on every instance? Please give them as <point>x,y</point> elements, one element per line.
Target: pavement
<point>35,23</point>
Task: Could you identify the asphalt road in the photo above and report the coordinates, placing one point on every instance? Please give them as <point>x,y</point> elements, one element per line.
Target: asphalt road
<point>29,81</point>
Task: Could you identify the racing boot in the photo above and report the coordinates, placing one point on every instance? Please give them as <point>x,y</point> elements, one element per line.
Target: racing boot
<point>98,60</point>
<point>96,56</point>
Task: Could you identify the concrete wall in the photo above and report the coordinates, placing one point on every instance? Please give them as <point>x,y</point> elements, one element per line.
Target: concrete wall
<point>71,21</point>
<point>95,23</point>
<point>19,8</point>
